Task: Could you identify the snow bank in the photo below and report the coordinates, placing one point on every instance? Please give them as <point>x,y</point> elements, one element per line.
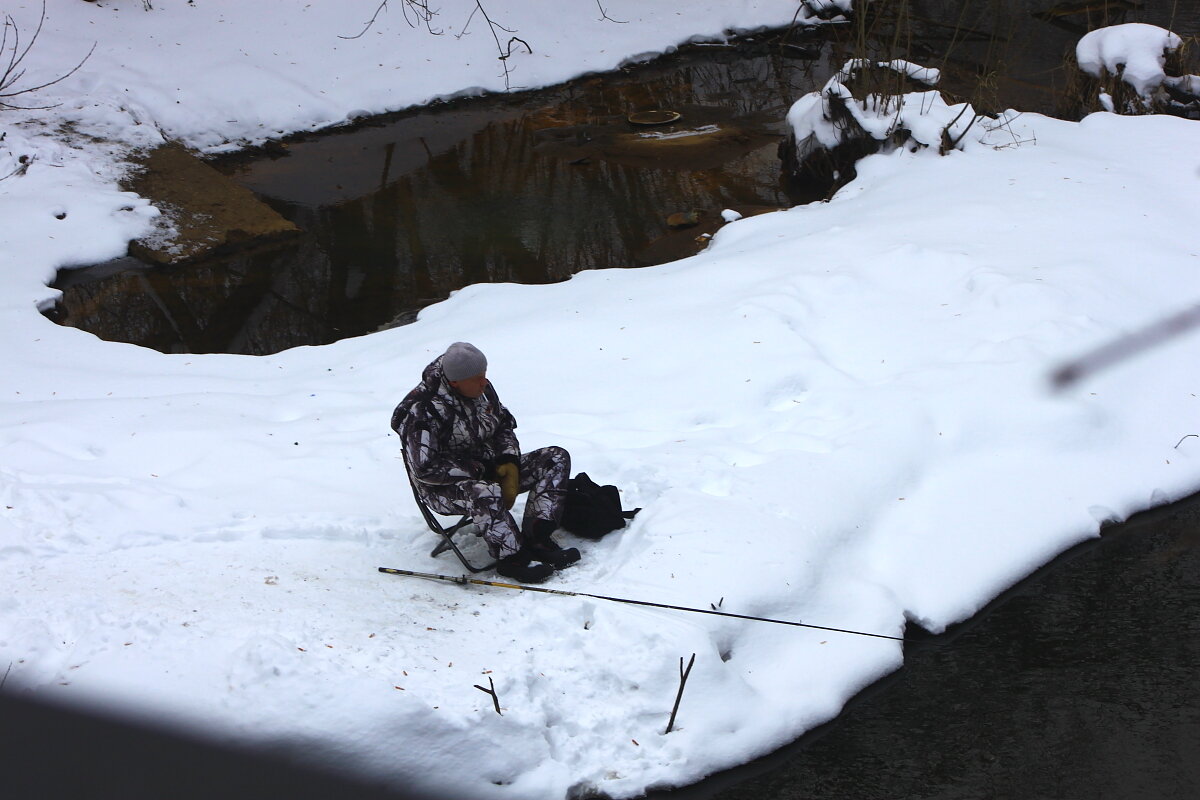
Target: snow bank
<point>1135,51</point>
<point>838,414</point>
<point>216,73</point>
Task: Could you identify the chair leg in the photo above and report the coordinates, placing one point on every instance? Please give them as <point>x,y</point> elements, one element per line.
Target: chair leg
<point>447,543</point>
<point>468,564</point>
<point>446,535</point>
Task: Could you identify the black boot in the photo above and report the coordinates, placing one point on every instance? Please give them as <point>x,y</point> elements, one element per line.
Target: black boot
<point>543,547</point>
<point>518,566</point>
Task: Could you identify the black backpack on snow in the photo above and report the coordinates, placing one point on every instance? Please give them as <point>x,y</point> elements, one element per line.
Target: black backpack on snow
<point>592,510</point>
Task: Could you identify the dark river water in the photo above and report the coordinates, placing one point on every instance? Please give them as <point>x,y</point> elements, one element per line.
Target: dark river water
<point>402,210</point>
<point>1080,683</point>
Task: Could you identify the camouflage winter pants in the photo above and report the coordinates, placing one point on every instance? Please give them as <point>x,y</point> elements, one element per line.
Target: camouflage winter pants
<point>544,474</point>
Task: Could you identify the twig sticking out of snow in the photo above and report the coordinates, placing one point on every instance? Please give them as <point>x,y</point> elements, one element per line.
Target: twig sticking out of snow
<point>493,26</point>
<point>22,167</point>
<point>492,692</point>
<point>683,676</point>
<point>604,15</point>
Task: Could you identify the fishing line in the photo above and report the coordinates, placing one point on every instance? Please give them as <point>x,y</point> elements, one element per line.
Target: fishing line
<point>523,588</point>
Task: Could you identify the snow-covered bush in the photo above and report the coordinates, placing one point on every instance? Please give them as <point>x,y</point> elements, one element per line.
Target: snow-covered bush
<point>816,11</point>
<point>1124,70</point>
<point>864,109</point>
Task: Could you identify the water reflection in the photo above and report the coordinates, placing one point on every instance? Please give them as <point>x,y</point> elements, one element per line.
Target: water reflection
<point>528,188</point>
<point>253,302</point>
<point>532,188</point>
<point>531,192</point>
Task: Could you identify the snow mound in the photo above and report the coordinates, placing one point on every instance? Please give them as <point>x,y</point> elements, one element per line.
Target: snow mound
<point>1134,51</point>
<point>923,119</point>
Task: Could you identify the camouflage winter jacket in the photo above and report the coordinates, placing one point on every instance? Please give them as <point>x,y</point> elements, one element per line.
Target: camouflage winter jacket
<point>448,437</point>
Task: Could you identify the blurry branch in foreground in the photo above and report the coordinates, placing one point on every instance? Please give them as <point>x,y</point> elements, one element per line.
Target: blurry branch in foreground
<point>1125,347</point>
<point>12,71</point>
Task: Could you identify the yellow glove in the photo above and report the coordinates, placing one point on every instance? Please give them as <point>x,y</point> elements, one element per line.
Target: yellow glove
<point>510,483</point>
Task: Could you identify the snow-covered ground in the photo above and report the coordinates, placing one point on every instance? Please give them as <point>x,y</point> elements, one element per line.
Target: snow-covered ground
<point>839,413</point>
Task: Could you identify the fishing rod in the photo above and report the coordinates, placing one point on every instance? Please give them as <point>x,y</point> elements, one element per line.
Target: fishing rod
<point>1125,347</point>
<point>464,579</point>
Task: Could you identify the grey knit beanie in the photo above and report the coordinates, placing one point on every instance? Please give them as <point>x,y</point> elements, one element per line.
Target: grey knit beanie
<point>462,360</point>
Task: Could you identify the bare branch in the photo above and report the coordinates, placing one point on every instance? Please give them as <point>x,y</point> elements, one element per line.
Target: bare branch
<point>23,164</point>
<point>421,13</point>
<point>508,51</point>
<point>367,25</point>
<point>13,72</point>
<point>494,26</point>
<point>59,79</point>
<point>683,676</point>
<point>17,54</point>
<point>604,15</point>
<point>492,692</point>
<point>948,143</point>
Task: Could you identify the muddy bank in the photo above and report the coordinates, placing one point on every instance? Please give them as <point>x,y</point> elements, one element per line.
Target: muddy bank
<point>203,213</point>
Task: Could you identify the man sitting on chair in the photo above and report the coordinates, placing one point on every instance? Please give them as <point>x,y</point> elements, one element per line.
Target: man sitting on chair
<point>464,458</point>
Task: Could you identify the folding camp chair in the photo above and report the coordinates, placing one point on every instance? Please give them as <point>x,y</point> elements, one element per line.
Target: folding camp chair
<point>445,535</point>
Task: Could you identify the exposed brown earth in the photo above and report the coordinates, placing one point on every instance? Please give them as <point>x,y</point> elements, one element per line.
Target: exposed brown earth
<point>205,212</point>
